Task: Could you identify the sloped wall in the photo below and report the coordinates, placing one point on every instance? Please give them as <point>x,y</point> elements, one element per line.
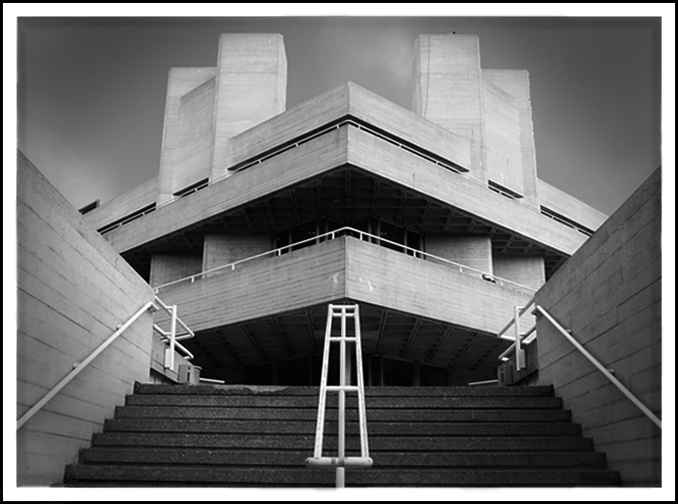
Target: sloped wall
<point>73,290</point>
<point>609,294</point>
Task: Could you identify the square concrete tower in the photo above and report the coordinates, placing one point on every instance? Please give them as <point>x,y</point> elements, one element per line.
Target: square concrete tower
<point>491,108</point>
<point>207,106</point>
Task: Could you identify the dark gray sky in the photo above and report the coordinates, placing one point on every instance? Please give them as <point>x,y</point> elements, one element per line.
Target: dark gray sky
<point>92,90</point>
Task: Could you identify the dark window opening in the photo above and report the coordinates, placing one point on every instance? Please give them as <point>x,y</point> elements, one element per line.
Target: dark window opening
<point>503,190</point>
<point>89,208</point>
<point>127,218</point>
<point>200,184</point>
<point>566,221</point>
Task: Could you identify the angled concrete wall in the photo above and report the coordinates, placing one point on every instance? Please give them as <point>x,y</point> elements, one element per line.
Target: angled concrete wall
<point>73,291</point>
<point>609,294</point>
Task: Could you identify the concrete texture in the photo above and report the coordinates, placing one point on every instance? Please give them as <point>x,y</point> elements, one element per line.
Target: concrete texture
<point>609,295</point>
<point>190,92</point>
<point>73,290</point>
<point>166,268</point>
<point>489,108</point>
<point>251,87</point>
<point>522,269</point>
<point>474,251</point>
<point>227,248</point>
<point>516,83</point>
<point>447,88</point>
<point>418,436</point>
<point>141,196</point>
<point>569,206</point>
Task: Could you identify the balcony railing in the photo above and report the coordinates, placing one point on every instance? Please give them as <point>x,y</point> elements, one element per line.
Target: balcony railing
<point>361,235</point>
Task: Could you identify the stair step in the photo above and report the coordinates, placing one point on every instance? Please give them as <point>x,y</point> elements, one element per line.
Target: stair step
<point>253,401</point>
<point>276,476</point>
<point>110,455</point>
<point>377,428</point>
<point>260,436</point>
<point>373,415</point>
<point>306,442</point>
<point>266,390</point>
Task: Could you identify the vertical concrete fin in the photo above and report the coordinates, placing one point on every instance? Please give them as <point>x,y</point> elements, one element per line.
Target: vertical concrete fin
<point>251,87</point>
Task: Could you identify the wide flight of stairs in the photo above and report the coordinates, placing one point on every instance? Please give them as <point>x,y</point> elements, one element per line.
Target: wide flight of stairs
<point>209,435</point>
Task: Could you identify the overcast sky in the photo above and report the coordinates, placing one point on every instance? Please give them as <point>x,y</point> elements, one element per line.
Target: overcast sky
<point>92,90</point>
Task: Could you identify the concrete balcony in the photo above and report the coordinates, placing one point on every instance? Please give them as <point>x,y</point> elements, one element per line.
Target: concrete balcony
<point>413,308</point>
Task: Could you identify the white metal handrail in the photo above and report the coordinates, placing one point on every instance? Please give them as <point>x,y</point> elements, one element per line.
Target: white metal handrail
<point>341,461</point>
<point>518,338</point>
<point>601,368</point>
<point>522,339</point>
<point>331,235</point>
<point>67,379</point>
<point>171,335</point>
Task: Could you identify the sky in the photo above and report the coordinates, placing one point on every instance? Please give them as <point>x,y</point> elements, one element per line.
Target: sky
<point>84,100</point>
<point>91,91</point>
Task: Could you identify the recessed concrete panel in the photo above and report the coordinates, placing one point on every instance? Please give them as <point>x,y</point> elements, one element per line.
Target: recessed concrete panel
<point>169,267</point>
<point>221,249</point>
<point>522,269</point>
<point>473,251</point>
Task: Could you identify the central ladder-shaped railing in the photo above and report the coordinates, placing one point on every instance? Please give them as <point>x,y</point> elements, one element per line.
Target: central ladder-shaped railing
<point>341,461</point>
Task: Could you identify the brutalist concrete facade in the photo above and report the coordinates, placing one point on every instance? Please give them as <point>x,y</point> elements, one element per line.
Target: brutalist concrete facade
<point>452,186</point>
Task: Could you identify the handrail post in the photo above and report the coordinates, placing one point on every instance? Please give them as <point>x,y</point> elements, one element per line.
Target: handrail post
<point>341,461</point>
<point>342,401</point>
<point>169,361</point>
<point>520,353</point>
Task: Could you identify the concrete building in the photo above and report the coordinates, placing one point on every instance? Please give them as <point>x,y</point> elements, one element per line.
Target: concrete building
<point>433,220</point>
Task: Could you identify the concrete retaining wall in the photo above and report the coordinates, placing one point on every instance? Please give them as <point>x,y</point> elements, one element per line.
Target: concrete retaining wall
<point>609,295</point>
<point>73,290</point>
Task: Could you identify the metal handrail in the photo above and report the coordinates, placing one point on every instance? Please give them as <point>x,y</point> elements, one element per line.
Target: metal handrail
<point>172,334</point>
<point>601,368</point>
<point>331,235</point>
<point>341,461</point>
<point>67,379</point>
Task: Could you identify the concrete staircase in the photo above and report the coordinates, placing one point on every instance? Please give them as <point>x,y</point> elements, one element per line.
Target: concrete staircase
<point>256,436</point>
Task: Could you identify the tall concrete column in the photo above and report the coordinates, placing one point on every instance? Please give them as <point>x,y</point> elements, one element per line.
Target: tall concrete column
<point>447,88</point>
<point>188,130</point>
<point>490,108</point>
<point>251,87</point>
